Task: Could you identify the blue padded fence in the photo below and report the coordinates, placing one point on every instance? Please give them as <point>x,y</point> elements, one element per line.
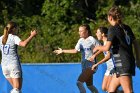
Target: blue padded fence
<point>57,78</point>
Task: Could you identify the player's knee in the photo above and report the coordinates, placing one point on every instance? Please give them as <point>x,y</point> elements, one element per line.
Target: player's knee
<point>15,90</point>
<point>79,83</point>
<point>104,88</point>
<point>89,83</point>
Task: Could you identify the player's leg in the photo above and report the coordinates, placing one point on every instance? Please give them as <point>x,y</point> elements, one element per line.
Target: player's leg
<point>10,81</point>
<point>106,82</point>
<point>6,73</point>
<point>16,75</point>
<point>114,84</point>
<point>89,80</point>
<point>17,83</point>
<point>126,83</point>
<point>84,76</point>
<point>81,87</point>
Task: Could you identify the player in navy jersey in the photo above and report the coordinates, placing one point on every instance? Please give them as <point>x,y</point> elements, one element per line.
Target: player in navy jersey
<point>120,40</point>
<point>10,62</point>
<point>85,45</point>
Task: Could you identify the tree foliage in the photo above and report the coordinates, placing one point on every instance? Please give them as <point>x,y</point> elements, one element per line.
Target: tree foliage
<point>57,23</point>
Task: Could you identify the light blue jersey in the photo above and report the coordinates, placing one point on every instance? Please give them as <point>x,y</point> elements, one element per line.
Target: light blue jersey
<point>85,46</point>
<point>9,50</point>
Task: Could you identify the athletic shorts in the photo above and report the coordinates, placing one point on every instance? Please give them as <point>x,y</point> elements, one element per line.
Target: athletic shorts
<point>12,71</point>
<point>123,67</point>
<point>87,64</point>
<point>108,73</point>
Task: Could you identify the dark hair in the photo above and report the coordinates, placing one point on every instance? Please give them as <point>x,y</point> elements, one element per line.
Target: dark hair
<point>103,30</point>
<point>116,14</point>
<point>87,27</point>
<point>7,31</point>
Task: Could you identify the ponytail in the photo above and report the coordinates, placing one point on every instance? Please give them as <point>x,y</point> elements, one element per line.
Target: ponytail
<point>5,35</point>
<point>116,14</point>
<point>7,30</point>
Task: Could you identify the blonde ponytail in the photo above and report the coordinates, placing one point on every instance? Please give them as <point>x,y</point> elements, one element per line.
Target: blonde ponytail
<point>5,35</point>
<point>8,30</point>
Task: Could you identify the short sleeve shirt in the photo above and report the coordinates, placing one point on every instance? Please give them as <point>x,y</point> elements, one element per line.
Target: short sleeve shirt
<point>9,50</point>
<point>85,46</point>
<point>122,37</point>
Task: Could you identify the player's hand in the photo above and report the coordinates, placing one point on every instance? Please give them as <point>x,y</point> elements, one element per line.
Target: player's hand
<point>91,58</point>
<point>94,66</point>
<point>33,33</point>
<point>59,51</point>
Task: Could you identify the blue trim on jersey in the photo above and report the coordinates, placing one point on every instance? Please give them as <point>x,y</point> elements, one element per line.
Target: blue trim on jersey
<point>7,47</point>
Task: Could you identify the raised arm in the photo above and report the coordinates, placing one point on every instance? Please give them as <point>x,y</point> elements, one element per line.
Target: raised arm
<point>25,42</point>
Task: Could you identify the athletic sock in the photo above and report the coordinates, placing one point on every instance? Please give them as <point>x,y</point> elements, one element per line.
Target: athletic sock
<point>15,90</point>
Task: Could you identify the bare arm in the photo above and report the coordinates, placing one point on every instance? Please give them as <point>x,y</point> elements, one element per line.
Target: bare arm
<point>107,57</point>
<point>70,51</point>
<point>94,55</point>
<point>103,48</point>
<point>60,51</point>
<point>25,42</point>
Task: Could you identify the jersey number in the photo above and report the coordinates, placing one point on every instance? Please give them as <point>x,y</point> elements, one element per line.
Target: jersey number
<point>127,39</point>
<point>5,49</point>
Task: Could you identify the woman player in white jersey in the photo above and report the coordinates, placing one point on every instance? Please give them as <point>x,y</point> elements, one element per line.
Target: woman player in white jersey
<point>85,45</point>
<point>10,63</point>
<point>102,35</point>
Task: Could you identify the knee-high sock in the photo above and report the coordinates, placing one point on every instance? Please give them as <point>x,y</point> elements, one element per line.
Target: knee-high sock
<point>15,90</point>
<point>93,89</point>
<point>81,87</point>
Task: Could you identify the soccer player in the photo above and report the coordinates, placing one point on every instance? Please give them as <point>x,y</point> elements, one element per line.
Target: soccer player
<point>85,45</point>
<point>102,35</point>
<point>10,62</point>
<point>120,39</point>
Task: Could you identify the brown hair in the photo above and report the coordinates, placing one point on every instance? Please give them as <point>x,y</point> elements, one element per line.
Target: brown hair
<point>7,31</point>
<point>87,27</point>
<point>116,14</point>
<point>103,30</point>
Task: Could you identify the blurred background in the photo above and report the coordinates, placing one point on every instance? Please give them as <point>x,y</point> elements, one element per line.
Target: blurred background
<point>57,23</point>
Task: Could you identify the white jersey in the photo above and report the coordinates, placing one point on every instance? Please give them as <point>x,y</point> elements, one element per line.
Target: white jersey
<point>109,64</point>
<point>85,46</point>
<point>9,50</point>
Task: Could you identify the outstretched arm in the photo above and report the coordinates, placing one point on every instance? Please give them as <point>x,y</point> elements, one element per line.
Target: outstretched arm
<point>25,42</point>
<point>60,51</point>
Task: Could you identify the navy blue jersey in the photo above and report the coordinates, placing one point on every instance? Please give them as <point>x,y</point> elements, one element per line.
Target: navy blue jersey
<point>122,37</point>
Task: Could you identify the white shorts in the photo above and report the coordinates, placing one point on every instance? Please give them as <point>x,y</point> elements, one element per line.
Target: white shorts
<point>12,71</point>
<point>107,73</point>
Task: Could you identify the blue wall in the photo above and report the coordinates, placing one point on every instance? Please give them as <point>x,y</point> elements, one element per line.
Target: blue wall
<point>57,78</point>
